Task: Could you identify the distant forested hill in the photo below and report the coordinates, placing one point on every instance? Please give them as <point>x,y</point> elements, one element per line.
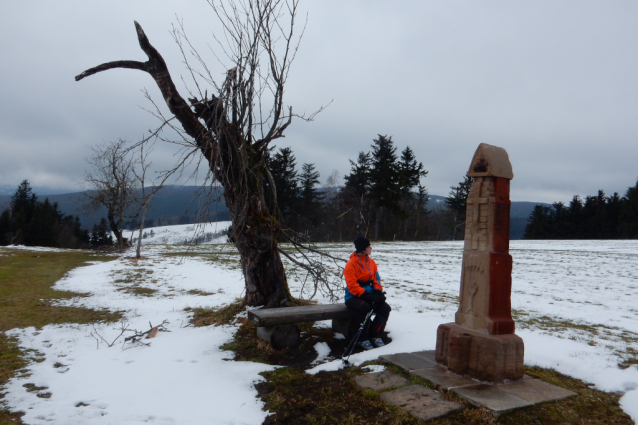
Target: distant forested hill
<point>519,214</point>
<point>178,204</point>
<point>171,205</point>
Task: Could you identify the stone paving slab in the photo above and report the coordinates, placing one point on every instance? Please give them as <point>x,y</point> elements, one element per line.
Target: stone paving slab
<point>537,391</point>
<point>491,396</point>
<point>427,355</point>
<point>501,398</point>
<point>441,377</point>
<point>421,402</point>
<point>381,380</point>
<point>408,361</point>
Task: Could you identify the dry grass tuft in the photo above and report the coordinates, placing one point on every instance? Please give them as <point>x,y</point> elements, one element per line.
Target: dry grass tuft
<point>199,292</point>
<point>222,316</point>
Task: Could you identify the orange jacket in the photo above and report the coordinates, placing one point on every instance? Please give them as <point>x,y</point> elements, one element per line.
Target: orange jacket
<point>360,267</point>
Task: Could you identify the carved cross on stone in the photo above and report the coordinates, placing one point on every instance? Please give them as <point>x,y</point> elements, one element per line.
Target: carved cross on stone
<point>481,343</point>
<point>486,276</point>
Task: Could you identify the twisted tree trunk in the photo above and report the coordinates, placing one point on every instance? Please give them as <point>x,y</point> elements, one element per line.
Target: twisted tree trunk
<point>254,231</point>
<point>237,163</point>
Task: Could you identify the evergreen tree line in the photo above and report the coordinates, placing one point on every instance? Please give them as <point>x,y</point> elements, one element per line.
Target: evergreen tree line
<point>29,221</point>
<point>595,217</point>
<point>382,197</point>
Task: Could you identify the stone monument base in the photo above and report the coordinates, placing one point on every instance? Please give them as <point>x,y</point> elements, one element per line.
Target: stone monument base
<point>489,358</point>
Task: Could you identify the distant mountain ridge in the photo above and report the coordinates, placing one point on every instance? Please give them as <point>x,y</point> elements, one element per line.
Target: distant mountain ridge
<point>179,204</point>
<point>170,205</point>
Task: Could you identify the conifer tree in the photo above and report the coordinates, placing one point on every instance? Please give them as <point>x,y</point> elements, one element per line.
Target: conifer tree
<point>385,176</point>
<point>282,168</point>
<point>410,171</point>
<point>355,197</point>
<point>45,225</point>
<point>613,207</point>
<point>421,212</point>
<point>628,222</point>
<point>100,235</point>
<point>310,205</point>
<point>410,174</point>
<point>23,203</point>
<point>574,218</point>
<point>5,227</point>
<point>34,223</point>
<point>385,187</point>
<point>358,181</point>
<point>379,194</point>
<point>309,196</point>
<point>559,224</point>
<point>595,215</point>
<point>540,223</point>
<point>456,204</point>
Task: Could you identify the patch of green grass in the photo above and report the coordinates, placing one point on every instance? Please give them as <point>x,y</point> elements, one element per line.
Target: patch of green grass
<point>138,290</point>
<point>216,316</point>
<point>32,388</point>
<point>371,394</point>
<point>629,358</point>
<point>26,280</point>
<point>589,406</point>
<point>325,398</point>
<point>11,358</point>
<point>7,417</point>
<point>295,397</point>
<point>129,282</point>
<point>129,277</point>
<point>248,347</point>
<point>199,292</point>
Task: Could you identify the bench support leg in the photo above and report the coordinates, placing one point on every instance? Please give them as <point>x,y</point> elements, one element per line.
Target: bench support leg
<point>279,337</point>
<point>347,327</point>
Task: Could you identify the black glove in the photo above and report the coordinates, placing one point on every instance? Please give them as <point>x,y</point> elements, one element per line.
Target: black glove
<point>372,298</point>
<point>379,293</point>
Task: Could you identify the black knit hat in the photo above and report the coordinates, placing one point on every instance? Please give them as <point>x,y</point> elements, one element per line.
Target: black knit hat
<point>361,243</point>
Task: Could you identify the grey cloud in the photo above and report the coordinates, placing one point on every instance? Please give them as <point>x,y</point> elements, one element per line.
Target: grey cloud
<point>552,82</point>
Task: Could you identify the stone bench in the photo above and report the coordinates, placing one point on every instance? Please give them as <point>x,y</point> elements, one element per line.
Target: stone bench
<point>278,326</point>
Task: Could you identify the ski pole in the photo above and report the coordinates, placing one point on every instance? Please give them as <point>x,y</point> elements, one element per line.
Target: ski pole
<point>356,338</point>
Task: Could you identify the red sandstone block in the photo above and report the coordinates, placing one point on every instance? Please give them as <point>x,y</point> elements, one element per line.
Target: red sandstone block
<point>490,358</point>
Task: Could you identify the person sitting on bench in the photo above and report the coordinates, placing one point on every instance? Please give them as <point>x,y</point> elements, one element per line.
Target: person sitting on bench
<point>364,293</point>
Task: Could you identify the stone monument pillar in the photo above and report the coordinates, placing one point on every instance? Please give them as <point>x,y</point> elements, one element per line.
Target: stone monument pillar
<point>481,343</point>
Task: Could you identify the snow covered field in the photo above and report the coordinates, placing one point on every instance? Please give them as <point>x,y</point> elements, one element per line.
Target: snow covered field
<point>574,303</point>
<point>204,233</point>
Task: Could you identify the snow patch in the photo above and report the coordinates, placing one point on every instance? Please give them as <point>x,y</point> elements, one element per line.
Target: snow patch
<point>574,301</point>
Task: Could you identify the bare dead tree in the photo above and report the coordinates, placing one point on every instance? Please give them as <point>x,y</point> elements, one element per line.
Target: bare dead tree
<point>110,183</point>
<point>233,128</point>
<point>145,193</point>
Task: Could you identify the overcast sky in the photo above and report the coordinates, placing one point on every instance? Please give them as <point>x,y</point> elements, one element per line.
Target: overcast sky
<point>554,83</point>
